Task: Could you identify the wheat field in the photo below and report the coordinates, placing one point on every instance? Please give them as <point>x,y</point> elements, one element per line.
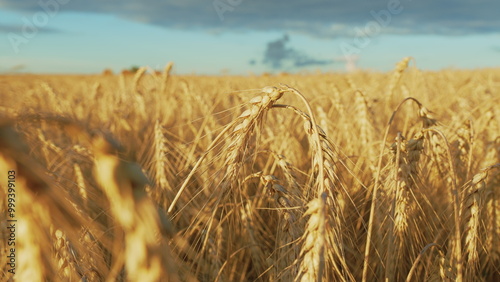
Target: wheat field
<point>315,177</point>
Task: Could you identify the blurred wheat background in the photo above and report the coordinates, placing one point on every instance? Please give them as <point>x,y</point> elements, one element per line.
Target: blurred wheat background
<point>328,177</point>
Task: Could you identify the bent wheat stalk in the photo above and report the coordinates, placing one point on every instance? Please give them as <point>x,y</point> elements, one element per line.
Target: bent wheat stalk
<point>241,127</point>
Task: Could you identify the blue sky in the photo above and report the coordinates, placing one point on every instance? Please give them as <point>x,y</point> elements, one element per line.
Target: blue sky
<point>245,36</point>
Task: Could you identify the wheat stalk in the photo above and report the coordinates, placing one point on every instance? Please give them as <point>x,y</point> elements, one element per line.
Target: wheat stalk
<point>463,160</point>
<point>37,204</point>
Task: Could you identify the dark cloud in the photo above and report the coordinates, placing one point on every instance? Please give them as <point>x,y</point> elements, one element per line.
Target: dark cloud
<point>19,29</point>
<point>276,52</point>
<point>278,56</point>
<point>320,18</point>
<point>306,61</point>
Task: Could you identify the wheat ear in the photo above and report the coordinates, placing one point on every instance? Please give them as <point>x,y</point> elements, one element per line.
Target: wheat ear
<point>166,75</point>
<point>396,76</point>
<point>146,257</point>
<point>138,76</point>
<point>471,214</point>
<point>312,253</point>
<point>241,129</point>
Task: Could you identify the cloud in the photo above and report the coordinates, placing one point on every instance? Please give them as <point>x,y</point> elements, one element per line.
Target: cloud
<point>19,29</point>
<point>278,55</point>
<point>13,69</point>
<point>16,68</point>
<point>319,18</point>
<point>276,52</point>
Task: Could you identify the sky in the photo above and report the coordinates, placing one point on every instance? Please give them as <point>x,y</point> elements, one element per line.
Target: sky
<point>246,36</point>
